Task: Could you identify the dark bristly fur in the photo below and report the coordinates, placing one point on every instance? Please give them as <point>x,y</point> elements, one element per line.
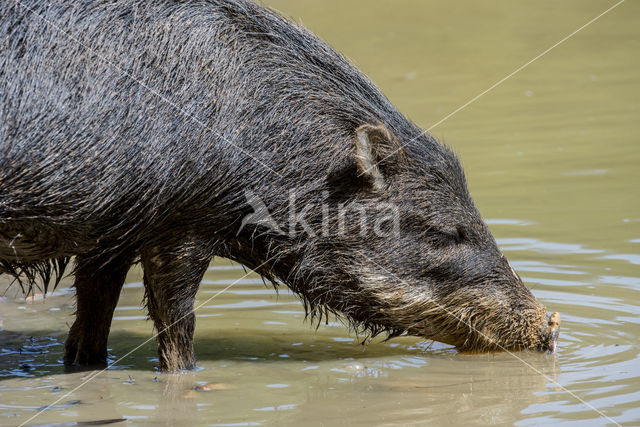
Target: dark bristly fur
<point>133,130</point>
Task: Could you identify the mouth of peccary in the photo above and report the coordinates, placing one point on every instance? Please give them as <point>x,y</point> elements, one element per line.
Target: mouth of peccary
<point>483,338</point>
<point>494,331</point>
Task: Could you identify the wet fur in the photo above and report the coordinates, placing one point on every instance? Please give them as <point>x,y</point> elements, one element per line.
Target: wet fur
<point>135,138</point>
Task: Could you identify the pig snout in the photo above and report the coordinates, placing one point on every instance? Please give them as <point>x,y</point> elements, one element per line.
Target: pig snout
<point>553,331</point>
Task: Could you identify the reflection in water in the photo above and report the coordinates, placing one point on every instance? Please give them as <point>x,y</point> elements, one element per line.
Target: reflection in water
<point>262,363</point>
<point>552,159</point>
<point>177,405</point>
<point>491,393</point>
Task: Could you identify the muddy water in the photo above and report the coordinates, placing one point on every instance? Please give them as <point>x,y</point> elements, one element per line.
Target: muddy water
<point>552,156</point>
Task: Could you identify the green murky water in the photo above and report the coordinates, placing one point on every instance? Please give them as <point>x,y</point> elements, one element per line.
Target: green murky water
<point>552,156</point>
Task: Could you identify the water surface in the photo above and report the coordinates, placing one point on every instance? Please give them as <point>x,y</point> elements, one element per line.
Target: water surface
<point>552,157</point>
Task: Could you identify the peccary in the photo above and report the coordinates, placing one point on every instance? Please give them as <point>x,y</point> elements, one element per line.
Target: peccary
<point>134,131</point>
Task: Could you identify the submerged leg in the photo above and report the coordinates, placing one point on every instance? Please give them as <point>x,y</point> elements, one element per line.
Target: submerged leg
<point>171,278</point>
<point>98,285</point>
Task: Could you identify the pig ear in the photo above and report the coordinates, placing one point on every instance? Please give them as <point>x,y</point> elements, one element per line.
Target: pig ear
<point>376,151</point>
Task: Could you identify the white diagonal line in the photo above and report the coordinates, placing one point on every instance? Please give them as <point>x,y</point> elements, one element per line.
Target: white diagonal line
<point>92,376</point>
<point>517,70</point>
<point>501,347</point>
<point>502,80</point>
<point>145,86</point>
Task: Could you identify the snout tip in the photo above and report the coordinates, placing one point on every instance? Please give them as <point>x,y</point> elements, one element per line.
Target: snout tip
<point>553,328</point>
<point>554,320</point>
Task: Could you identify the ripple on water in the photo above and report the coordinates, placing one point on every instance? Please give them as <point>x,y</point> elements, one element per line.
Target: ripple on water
<point>285,407</point>
<point>504,221</point>
<point>597,358</point>
<point>544,267</point>
<point>537,245</point>
<point>630,258</point>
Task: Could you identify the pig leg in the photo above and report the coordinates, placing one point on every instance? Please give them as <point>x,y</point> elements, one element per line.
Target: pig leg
<point>98,282</point>
<point>171,279</point>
